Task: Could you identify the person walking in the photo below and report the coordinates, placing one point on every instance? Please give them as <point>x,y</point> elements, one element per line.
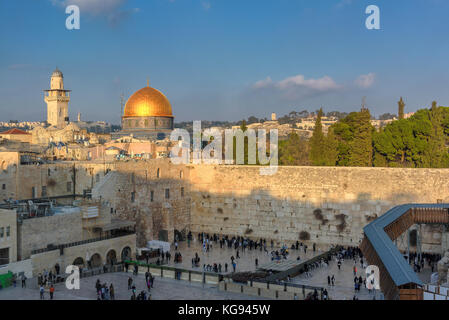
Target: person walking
<point>24,278</point>
<point>52,291</point>
<point>111,292</point>
<point>41,292</point>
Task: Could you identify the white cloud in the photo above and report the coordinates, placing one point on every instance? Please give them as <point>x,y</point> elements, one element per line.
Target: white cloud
<point>325,83</point>
<point>365,80</point>
<point>263,83</point>
<point>111,9</point>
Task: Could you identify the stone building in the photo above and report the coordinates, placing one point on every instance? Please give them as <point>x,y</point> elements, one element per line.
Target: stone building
<point>37,235</point>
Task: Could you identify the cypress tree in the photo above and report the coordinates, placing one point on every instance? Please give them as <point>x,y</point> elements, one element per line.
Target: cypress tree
<point>361,147</point>
<point>317,142</point>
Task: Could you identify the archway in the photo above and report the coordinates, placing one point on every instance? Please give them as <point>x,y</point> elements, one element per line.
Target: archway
<point>79,262</point>
<point>126,253</point>
<point>111,257</point>
<point>95,261</point>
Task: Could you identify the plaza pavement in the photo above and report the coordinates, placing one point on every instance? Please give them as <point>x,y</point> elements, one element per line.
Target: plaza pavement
<point>223,255</point>
<point>164,289</point>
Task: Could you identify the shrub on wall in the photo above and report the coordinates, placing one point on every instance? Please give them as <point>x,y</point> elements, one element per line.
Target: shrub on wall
<point>304,235</point>
<point>318,213</point>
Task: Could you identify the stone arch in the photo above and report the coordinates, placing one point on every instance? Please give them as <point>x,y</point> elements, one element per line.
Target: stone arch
<point>95,260</point>
<point>126,253</point>
<point>79,262</point>
<point>111,257</point>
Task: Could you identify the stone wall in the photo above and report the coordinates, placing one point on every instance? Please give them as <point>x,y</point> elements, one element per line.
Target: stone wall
<point>127,191</point>
<point>325,204</point>
<point>38,233</point>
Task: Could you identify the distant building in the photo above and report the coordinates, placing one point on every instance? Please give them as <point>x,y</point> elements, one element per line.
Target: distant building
<point>16,135</point>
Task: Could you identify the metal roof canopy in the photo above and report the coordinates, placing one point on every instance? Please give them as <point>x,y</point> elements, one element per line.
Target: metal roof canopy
<point>398,268</point>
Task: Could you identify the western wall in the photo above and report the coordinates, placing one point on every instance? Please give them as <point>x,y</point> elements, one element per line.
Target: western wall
<point>310,204</point>
<point>313,204</point>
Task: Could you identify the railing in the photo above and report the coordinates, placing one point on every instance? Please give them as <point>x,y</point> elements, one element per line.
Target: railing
<point>78,243</point>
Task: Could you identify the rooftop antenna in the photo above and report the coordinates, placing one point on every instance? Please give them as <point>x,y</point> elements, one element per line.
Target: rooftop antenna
<point>148,82</point>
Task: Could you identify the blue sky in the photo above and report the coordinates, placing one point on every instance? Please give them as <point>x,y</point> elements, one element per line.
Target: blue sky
<point>224,59</point>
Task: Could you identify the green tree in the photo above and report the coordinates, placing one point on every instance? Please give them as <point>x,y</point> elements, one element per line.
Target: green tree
<point>361,147</point>
<point>293,151</point>
<point>317,142</point>
<point>330,149</point>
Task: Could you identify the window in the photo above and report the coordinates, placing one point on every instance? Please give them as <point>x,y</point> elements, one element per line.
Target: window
<point>49,172</point>
<point>181,174</point>
<point>69,186</point>
<point>158,174</point>
<point>3,186</point>
<point>4,256</point>
<point>44,191</point>
<point>182,191</point>
<point>112,210</point>
<point>8,231</point>
<point>151,195</point>
<point>2,232</point>
<point>33,192</point>
<point>167,193</point>
<point>133,196</point>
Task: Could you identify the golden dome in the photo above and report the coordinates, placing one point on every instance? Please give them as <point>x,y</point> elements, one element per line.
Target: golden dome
<point>147,102</point>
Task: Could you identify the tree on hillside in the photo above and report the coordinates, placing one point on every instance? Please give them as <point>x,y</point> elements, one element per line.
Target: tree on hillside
<point>435,153</point>
<point>293,151</point>
<point>361,151</point>
<point>330,149</point>
<point>317,142</point>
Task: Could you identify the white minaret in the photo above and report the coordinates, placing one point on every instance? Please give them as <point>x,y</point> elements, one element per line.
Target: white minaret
<point>57,100</point>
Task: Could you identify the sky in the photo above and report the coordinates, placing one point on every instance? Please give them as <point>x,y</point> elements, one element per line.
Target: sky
<point>224,59</point>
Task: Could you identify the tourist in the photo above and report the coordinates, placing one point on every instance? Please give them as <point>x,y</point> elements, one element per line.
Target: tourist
<point>52,291</point>
<point>112,292</point>
<point>41,292</point>
<point>130,282</point>
<point>24,278</point>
